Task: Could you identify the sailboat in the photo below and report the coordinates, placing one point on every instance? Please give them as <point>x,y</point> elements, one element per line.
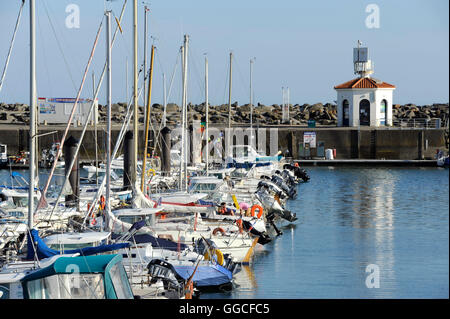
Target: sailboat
<point>45,273</point>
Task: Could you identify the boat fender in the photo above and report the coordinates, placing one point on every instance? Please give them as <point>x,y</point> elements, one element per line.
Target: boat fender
<point>218,229</point>
<point>260,211</point>
<point>151,172</point>
<point>239,223</point>
<point>102,202</point>
<point>219,256</point>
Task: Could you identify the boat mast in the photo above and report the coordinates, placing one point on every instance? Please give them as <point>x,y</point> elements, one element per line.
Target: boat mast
<point>108,116</point>
<point>95,131</point>
<point>165,100</point>
<point>147,119</point>
<point>135,93</point>
<point>180,181</point>
<point>186,45</point>
<point>145,54</point>
<point>207,119</point>
<point>229,104</point>
<point>251,105</point>
<point>32,113</point>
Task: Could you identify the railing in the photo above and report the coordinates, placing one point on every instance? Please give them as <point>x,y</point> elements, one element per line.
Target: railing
<point>417,123</point>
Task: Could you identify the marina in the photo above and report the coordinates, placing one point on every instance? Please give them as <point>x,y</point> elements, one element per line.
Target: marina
<point>150,200</point>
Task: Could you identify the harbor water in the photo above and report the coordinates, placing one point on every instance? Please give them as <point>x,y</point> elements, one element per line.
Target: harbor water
<point>361,233</point>
<point>395,220</point>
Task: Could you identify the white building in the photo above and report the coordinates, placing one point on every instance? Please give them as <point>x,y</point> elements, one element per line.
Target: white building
<point>364,100</point>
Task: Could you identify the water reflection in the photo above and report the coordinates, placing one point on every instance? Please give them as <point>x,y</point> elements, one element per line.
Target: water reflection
<point>372,221</point>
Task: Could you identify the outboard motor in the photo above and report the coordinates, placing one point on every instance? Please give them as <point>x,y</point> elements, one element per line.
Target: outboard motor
<point>299,172</point>
<point>303,174</point>
<point>291,192</point>
<point>270,188</point>
<point>288,178</point>
<point>274,208</point>
<point>159,269</point>
<point>264,238</point>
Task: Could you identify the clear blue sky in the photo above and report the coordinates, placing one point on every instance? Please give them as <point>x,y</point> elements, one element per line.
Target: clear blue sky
<point>304,45</point>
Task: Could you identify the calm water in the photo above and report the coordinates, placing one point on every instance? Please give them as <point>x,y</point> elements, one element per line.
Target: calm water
<point>349,218</point>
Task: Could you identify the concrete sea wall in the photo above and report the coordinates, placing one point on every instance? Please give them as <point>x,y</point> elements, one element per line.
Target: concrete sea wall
<point>350,143</point>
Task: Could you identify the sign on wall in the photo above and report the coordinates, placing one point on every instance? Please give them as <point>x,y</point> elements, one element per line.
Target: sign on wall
<point>309,137</point>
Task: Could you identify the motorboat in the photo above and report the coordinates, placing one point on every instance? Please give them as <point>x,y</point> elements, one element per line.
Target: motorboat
<point>81,277</point>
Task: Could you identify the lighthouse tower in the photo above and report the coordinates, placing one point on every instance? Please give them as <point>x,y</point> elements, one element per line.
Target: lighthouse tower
<point>364,101</point>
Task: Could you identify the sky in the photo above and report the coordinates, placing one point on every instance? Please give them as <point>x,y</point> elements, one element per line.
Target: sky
<point>306,46</point>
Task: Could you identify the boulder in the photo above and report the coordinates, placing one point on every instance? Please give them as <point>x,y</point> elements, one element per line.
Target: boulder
<point>172,107</point>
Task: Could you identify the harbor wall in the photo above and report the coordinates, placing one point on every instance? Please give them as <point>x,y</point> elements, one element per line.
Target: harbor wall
<point>365,143</point>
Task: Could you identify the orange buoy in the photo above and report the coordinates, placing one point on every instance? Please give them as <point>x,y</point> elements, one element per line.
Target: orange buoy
<point>260,211</point>
<point>218,229</point>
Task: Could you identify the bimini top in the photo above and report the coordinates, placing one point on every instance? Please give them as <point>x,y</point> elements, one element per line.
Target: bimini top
<point>83,264</point>
<point>365,83</point>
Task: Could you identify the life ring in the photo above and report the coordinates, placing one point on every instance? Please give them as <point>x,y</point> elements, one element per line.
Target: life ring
<point>218,229</point>
<point>260,211</point>
<point>102,202</point>
<point>219,256</point>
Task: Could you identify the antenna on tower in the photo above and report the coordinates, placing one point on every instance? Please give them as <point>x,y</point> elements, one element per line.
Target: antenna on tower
<point>362,64</point>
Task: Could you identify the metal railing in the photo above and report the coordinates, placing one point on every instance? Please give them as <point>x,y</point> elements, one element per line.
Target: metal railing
<point>417,123</point>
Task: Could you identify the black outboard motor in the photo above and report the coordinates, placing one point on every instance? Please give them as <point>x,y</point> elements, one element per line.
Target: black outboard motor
<point>270,187</point>
<point>164,271</point>
<point>270,219</point>
<point>264,238</point>
<point>288,178</point>
<point>299,172</point>
<point>289,216</point>
<point>291,192</point>
<point>303,174</point>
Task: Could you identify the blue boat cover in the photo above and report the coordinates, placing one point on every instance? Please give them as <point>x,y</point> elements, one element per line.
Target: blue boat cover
<point>247,165</point>
<point>206,203</point>
<point>43,251</point>
<point>206,276</point>
<point>155,242</point>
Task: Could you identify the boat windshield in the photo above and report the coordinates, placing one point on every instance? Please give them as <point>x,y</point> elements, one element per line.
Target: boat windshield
<point>120,282</point>
<point>67,286</point>
<point>202,187</point>
<point>61,246</point>
<point>22,201</point>
<point>131,219</point>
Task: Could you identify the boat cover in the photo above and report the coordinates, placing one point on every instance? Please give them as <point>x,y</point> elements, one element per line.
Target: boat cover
<point>206,276</point>
<point>155,242</point>
<point>248,165</point>
<point>43,251</point>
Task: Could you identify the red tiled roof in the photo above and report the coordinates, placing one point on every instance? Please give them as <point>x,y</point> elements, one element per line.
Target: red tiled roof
<point>364,83</point>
